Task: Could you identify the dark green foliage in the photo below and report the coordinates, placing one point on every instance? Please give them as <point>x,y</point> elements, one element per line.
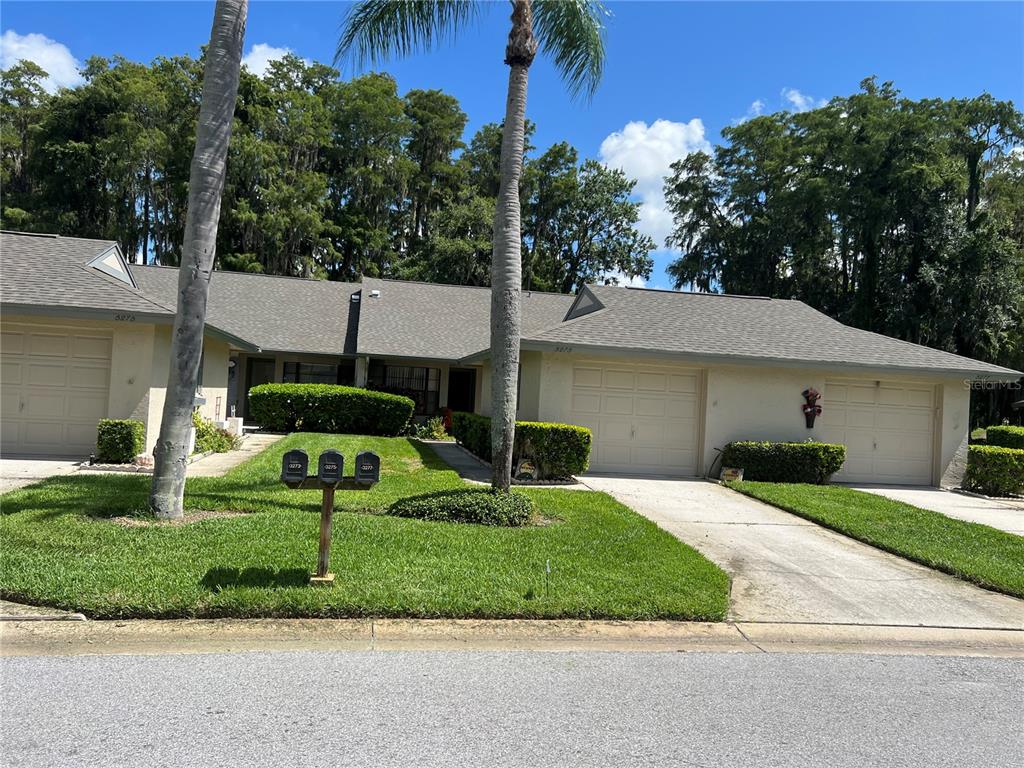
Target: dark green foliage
<point>483,506</point>
<point>1007,437</point>
<point>210,437</point>
<point>119,441</point>
<point>969,551</point>
<point>995,470</point>
<point>785,462</point>
<point>558,450</point>
<point>329,408</point>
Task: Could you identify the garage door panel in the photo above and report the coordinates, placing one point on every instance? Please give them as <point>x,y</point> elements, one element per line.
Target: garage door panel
<point>82,376</point>
<point>651,382</point>
<point>617,405</point>
<point>887,428</point>
<point>91,347</point>
<point>586,377</point>
<point>646,420</point>
<point>586,402</point>
<point>55,389</point>
<point>11,372</point>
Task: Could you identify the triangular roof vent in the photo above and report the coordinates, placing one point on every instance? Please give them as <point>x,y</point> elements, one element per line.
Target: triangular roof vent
<point>586,302</point>
<point>112,263</point>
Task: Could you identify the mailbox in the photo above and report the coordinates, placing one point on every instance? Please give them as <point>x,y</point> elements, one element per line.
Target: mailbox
<point>330,467</point>
<point>294,466</point>
<point>367,468</point>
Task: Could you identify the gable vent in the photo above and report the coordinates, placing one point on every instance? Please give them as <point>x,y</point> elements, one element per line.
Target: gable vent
<point>112,263</point>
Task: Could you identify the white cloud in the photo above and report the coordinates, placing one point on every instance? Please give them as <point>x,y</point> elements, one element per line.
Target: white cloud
<point>645,152</point>
<point>258,59</point>
<point>618,277</point>
<point>756,109</point>
<point>801,102</point>
<point>53,57</point>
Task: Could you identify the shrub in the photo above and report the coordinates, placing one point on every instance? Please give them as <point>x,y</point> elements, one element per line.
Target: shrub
<point>558,450</point>
<point>328,408</point>
<point>119,441</point>
<point>210,437</point>
<point>433,429</point>
<point>994,470</point>
<point>785,462</point>
<point>1006,437</point>
<point>483,506</point>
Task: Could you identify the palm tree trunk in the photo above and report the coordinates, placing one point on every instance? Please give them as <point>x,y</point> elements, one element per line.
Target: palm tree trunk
<point>206,184</point>
<point>506,264</point>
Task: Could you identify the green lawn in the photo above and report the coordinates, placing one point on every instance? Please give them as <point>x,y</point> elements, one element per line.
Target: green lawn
<point>60,548</point>
<point>977,553</point>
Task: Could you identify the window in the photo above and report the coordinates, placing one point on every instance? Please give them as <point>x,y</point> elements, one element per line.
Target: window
<point>423,385</point>
<point>317,373</point>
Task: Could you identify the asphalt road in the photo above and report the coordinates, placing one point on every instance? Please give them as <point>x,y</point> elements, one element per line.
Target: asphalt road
<point>511,709</point>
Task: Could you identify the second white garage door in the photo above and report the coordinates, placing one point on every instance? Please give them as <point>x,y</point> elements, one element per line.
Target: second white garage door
<point>644,419</point>
<point>55,386</point>
<point>887,428</point>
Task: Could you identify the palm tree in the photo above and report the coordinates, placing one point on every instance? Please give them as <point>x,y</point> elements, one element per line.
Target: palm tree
<point>206,183</point>
<point>571,32</point>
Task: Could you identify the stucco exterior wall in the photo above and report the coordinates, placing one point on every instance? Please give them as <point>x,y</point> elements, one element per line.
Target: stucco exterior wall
<point>762,403</point>
<point>530,380</point>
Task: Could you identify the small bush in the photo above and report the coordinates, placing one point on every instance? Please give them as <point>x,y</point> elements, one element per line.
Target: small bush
<point>119,441</point>
<point>994,470</point>
<point>210,437</point>
<point>785,462</point>
<point>483,506</point>
<point>329,408</point>
<point>1005,437</point>
<point>558,450</point>
<point>432,429</point>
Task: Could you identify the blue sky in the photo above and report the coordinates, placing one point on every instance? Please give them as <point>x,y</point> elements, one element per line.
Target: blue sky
<point>677,73</point>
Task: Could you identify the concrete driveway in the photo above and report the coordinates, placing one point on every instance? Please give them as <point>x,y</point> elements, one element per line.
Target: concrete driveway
<point>1006,514</point>
<point>787,569</point>
<point>17,472</point>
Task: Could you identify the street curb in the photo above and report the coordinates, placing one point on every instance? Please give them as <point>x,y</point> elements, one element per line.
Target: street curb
<point>44,617</point>
<point>190,636</point>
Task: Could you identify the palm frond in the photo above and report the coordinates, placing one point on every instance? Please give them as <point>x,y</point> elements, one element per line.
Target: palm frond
<point>374,30</point>
<point>572,32</point>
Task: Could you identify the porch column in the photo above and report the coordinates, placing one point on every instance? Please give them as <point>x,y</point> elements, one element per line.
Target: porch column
<point>362,371</point>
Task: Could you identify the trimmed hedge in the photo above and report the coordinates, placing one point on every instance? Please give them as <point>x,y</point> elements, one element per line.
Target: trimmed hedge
<point>119,441</point>
<point>558,450</point>
<point>994,470</point>
<point>785,462</point>
<point>1006,437</point>
<point>329,408</point>
<point>482,506</point>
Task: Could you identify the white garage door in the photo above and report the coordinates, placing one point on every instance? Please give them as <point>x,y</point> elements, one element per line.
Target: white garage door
<point>887,428</point>
<point>54,386</point>
<point>644,419</point>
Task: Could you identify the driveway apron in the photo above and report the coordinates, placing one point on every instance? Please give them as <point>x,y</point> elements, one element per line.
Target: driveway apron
<point>787,569</point>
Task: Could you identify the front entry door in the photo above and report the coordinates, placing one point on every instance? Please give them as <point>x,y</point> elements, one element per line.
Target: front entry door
<point>462,389</point>
<point>258,370</point>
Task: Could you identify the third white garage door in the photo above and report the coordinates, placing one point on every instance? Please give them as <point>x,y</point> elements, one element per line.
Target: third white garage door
<point>644,418</point>
<point>887,428</point>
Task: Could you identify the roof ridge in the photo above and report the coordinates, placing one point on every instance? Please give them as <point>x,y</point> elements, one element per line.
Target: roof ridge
<point>249,274</point>
<point>457,285</point>
<point>687,293</point>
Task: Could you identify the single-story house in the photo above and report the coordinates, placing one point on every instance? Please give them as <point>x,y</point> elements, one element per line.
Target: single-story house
<point>663,378</point>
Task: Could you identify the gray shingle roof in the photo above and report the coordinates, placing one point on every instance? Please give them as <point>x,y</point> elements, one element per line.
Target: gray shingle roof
<point>284,314</point>
<point>49,271</point>
<point>743,328</point>
<point>441,322</point>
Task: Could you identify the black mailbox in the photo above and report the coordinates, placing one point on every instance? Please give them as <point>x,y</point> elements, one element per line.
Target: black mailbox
<point>330,467</point>
<point>294,466</point>
<point>367,467</point>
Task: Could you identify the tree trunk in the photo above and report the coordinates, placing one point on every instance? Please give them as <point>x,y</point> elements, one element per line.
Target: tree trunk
<point>206,184</point>
<point>506,264</point>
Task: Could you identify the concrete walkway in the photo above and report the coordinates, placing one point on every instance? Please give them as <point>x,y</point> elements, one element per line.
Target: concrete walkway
<point>786,569</point>
<point>17,472</point>
<point>217,464</point>
<point>1005,514</point>
<point>462,461</point>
